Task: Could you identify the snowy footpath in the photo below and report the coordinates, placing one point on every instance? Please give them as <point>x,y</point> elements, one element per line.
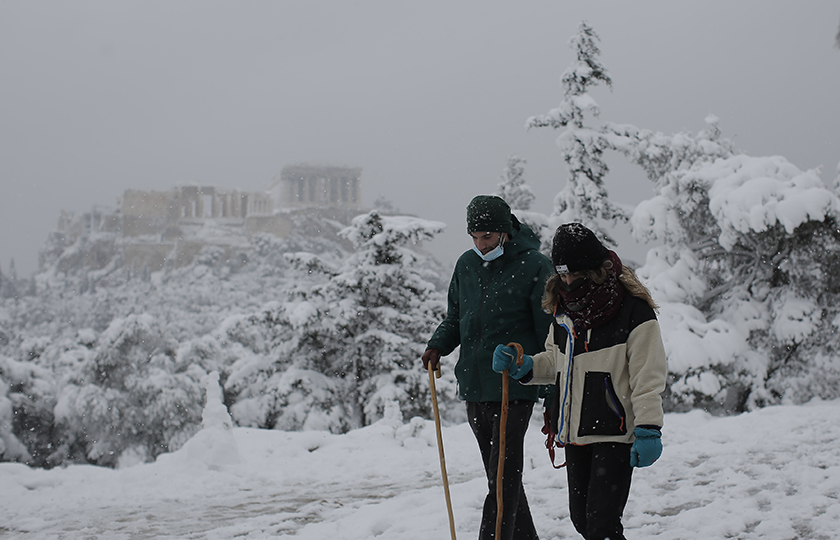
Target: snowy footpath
<point>772,474</point>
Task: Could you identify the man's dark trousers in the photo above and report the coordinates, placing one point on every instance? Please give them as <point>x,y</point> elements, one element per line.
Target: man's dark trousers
<point>484,420</point>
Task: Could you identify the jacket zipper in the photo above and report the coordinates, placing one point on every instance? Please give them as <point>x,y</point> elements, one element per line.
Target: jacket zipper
<point>480,333</point>
<point>613,402</point>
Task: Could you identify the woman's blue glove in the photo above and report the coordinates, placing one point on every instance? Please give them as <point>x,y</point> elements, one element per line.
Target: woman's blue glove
<point>504,358</point>
<point>647,448</point>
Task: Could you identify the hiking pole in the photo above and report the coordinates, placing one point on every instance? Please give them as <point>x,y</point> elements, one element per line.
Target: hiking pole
<point>520,356</point>
<point>440,447</point>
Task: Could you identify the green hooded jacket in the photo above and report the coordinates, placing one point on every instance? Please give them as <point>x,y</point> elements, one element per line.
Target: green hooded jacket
<point>492,303</point>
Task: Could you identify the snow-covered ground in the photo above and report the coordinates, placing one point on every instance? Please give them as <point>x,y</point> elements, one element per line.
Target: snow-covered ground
<point>772,474</point>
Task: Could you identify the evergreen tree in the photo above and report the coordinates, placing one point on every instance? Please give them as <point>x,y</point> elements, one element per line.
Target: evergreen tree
<point>584,197</point>
<point>519,196</point>
<point>280,378</point>
<point>11,449</point>
<point>745,272</point>
<point>385,305</point>
<point>513,188</point>
<point>128,396</point>
<point>26,402</point>
<point>836,185</point>
<point>344,343</point>
<point>665,159</point>
<point>8,284</point>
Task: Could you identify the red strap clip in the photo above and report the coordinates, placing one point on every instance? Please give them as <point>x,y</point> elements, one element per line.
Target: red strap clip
<point>550,441</point>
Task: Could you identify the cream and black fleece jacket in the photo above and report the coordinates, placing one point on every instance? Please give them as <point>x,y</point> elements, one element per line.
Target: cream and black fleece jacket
<point>608,380</point>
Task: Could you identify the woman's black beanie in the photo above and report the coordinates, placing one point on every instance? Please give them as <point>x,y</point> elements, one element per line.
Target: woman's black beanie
<point>489,213</point>
<point>576,248</point>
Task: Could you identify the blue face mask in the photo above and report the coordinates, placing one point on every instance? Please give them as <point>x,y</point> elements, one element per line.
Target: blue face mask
<point>491,255</point>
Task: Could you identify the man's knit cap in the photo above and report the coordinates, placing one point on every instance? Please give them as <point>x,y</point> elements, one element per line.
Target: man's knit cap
<point>489,213</point>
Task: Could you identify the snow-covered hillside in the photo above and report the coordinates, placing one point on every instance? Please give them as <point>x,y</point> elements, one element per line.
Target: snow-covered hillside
<point>304,334</point>
<point>772,474</point>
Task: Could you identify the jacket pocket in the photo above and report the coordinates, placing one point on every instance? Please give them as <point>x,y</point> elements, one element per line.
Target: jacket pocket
<point>601,411</point>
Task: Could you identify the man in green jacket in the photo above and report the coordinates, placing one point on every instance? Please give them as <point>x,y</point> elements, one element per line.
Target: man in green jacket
<point>495,297</point>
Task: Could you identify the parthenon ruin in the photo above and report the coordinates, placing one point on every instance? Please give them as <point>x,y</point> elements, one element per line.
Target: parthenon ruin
<point>316,186</point>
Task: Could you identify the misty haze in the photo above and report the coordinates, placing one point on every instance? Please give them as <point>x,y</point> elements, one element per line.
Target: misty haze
<point>227,233</point>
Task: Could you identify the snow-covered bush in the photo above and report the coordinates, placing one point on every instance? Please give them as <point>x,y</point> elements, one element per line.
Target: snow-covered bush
<point>30,394</point>
<point>345,342</point>
<point>128,396</point>
<point>752,243</point>
<point>11,449</point>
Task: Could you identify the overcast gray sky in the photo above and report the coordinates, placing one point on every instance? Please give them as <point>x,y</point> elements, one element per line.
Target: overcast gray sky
<point>429,98</point>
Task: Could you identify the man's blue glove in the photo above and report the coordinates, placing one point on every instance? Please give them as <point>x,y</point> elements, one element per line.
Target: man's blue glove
<point>504,358</point>
<point>647,447</point>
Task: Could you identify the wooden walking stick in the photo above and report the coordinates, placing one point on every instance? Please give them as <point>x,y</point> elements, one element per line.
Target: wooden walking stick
<point>520,356</point>
<point>440,447</point>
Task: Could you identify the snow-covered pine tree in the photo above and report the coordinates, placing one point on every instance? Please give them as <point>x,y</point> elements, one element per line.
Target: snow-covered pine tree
<point>512,187</point>
<point>3,284</point>
<point>345,341</point>
<point>128,396</point>
<point>520,196</point>
<point>9,284</point>
<point>11,448</point>
<point>280,378</point>
<point>584,198</point>
<point>665,158</point>
<point>837,179</point>
<point>26,403</point>
<point>382,305</point>
<point>745,273</point>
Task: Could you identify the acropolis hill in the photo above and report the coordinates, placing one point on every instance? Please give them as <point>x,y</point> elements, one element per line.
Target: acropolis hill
<point>155,229</point>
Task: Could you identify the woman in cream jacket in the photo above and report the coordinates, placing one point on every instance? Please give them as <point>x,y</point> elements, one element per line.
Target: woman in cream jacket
<point>605,355</point>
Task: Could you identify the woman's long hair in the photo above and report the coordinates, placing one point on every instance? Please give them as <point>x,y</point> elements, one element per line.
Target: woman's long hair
<point>627,278</point>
